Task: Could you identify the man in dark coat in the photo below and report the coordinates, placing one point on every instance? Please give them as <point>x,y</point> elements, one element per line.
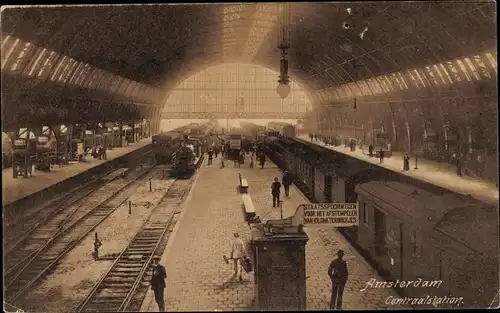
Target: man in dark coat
<point>287,182</point>
<point>262,159</point>
<point>158,283</point>
<point>338,275</point>
<point>275,191</point>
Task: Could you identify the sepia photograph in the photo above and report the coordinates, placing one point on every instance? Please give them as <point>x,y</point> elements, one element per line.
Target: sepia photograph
<point>239,156</point>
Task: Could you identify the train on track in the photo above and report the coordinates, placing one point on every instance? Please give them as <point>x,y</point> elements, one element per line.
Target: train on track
<point>280,129</point>
<point>165,144</point>
<point>405,231</point>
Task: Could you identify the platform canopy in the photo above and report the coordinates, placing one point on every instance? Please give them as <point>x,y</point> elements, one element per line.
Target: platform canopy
<point>131,56</point>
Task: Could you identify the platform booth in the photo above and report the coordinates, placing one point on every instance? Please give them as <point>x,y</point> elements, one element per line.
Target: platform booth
<point>45,154</point>
<point>381,143</point>
<point>23,157</point>
<point>278,252</point>
<point>127,134</point>
<point>89,142</point>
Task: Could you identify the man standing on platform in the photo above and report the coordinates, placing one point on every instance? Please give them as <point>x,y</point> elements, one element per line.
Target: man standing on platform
<point>158,283</point>
<point>210,156</point>
<point>238,253</point>
<point>287,181</point>
<point>275,191</point>
<point>262,159</point>
<point>338,275</point>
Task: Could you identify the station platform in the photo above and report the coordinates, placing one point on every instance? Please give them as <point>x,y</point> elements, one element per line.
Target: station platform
<point>439,174</point>
<point>17,188</point>
<point>199,279</point>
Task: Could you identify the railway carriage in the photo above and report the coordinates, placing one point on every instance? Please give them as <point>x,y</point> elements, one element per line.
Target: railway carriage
<point>283,129</point>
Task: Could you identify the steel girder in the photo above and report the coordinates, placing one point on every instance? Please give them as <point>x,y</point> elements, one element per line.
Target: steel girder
<point>233,115</point>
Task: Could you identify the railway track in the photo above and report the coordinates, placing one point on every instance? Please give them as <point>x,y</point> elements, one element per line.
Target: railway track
<point>125,285</point>
<point>43,250</point>
<point>12,240</point>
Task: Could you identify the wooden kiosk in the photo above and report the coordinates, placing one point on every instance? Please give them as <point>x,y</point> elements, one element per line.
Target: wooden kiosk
<point>278,251</point>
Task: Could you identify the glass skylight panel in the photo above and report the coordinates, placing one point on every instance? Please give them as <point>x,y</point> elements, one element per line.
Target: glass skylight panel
<point>453,71</point>
<point>413,80</point>
<point>382,84</point>
<point>5,40</point>
<point>47,65</point>
<point>396,82</point>
<point>432,76</point>
<point>492,60</point>
<point>420,77</point>
<point>437,69</point>
<point>21,57</point>
<point>402,80</point>
<point>59,68</point>
<point>8,54</point>
<point>388,82</point>
<point>472,69</point>
<point>464,70</point>
<point>34,66</point>
<point>75,73</point>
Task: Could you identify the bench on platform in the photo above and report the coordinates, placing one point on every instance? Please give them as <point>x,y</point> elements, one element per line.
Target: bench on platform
<point>248,206</point>
<point>243,184</point>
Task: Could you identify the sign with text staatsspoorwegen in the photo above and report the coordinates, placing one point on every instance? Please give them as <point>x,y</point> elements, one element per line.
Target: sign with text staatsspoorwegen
<point>334,214</point>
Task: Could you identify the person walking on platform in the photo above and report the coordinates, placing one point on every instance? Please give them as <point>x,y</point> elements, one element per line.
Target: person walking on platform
<point>216,151</point>
<point>310,136</point>
<point>406,162</point>
<point>381,155</point>
<point>370,151</point>
<point>238,253</point>
<point>338,273</point>
<point>262,159</point>
<point>287,182</point>
<point>275,192</point>
<point>210,155</point>
<point>104,153</point>
<point>158,283</point>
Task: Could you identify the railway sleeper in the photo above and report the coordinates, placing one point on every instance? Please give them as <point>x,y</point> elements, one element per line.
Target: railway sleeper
<point>124,273</point>
<point>128,265</point>
<point>112,285</point>
<point>121,279</point>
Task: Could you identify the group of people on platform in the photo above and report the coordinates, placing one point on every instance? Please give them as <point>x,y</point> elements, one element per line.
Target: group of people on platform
<point>466,164</point>
<point>99,152</point>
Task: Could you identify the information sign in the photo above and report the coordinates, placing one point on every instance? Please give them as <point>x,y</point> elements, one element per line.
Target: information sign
<point>334,214</point>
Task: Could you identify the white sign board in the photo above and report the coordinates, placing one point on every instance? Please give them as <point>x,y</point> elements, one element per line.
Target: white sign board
<point>334,214</point>
<point>79,148</point>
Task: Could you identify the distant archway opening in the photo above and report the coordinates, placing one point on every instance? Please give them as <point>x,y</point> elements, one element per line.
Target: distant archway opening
<point>235,87</point>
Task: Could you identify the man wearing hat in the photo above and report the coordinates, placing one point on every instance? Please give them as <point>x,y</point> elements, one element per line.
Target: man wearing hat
<point>338,274</point>
<point>287,181</point>
<point>158,283</point>
<point>238,253</point>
